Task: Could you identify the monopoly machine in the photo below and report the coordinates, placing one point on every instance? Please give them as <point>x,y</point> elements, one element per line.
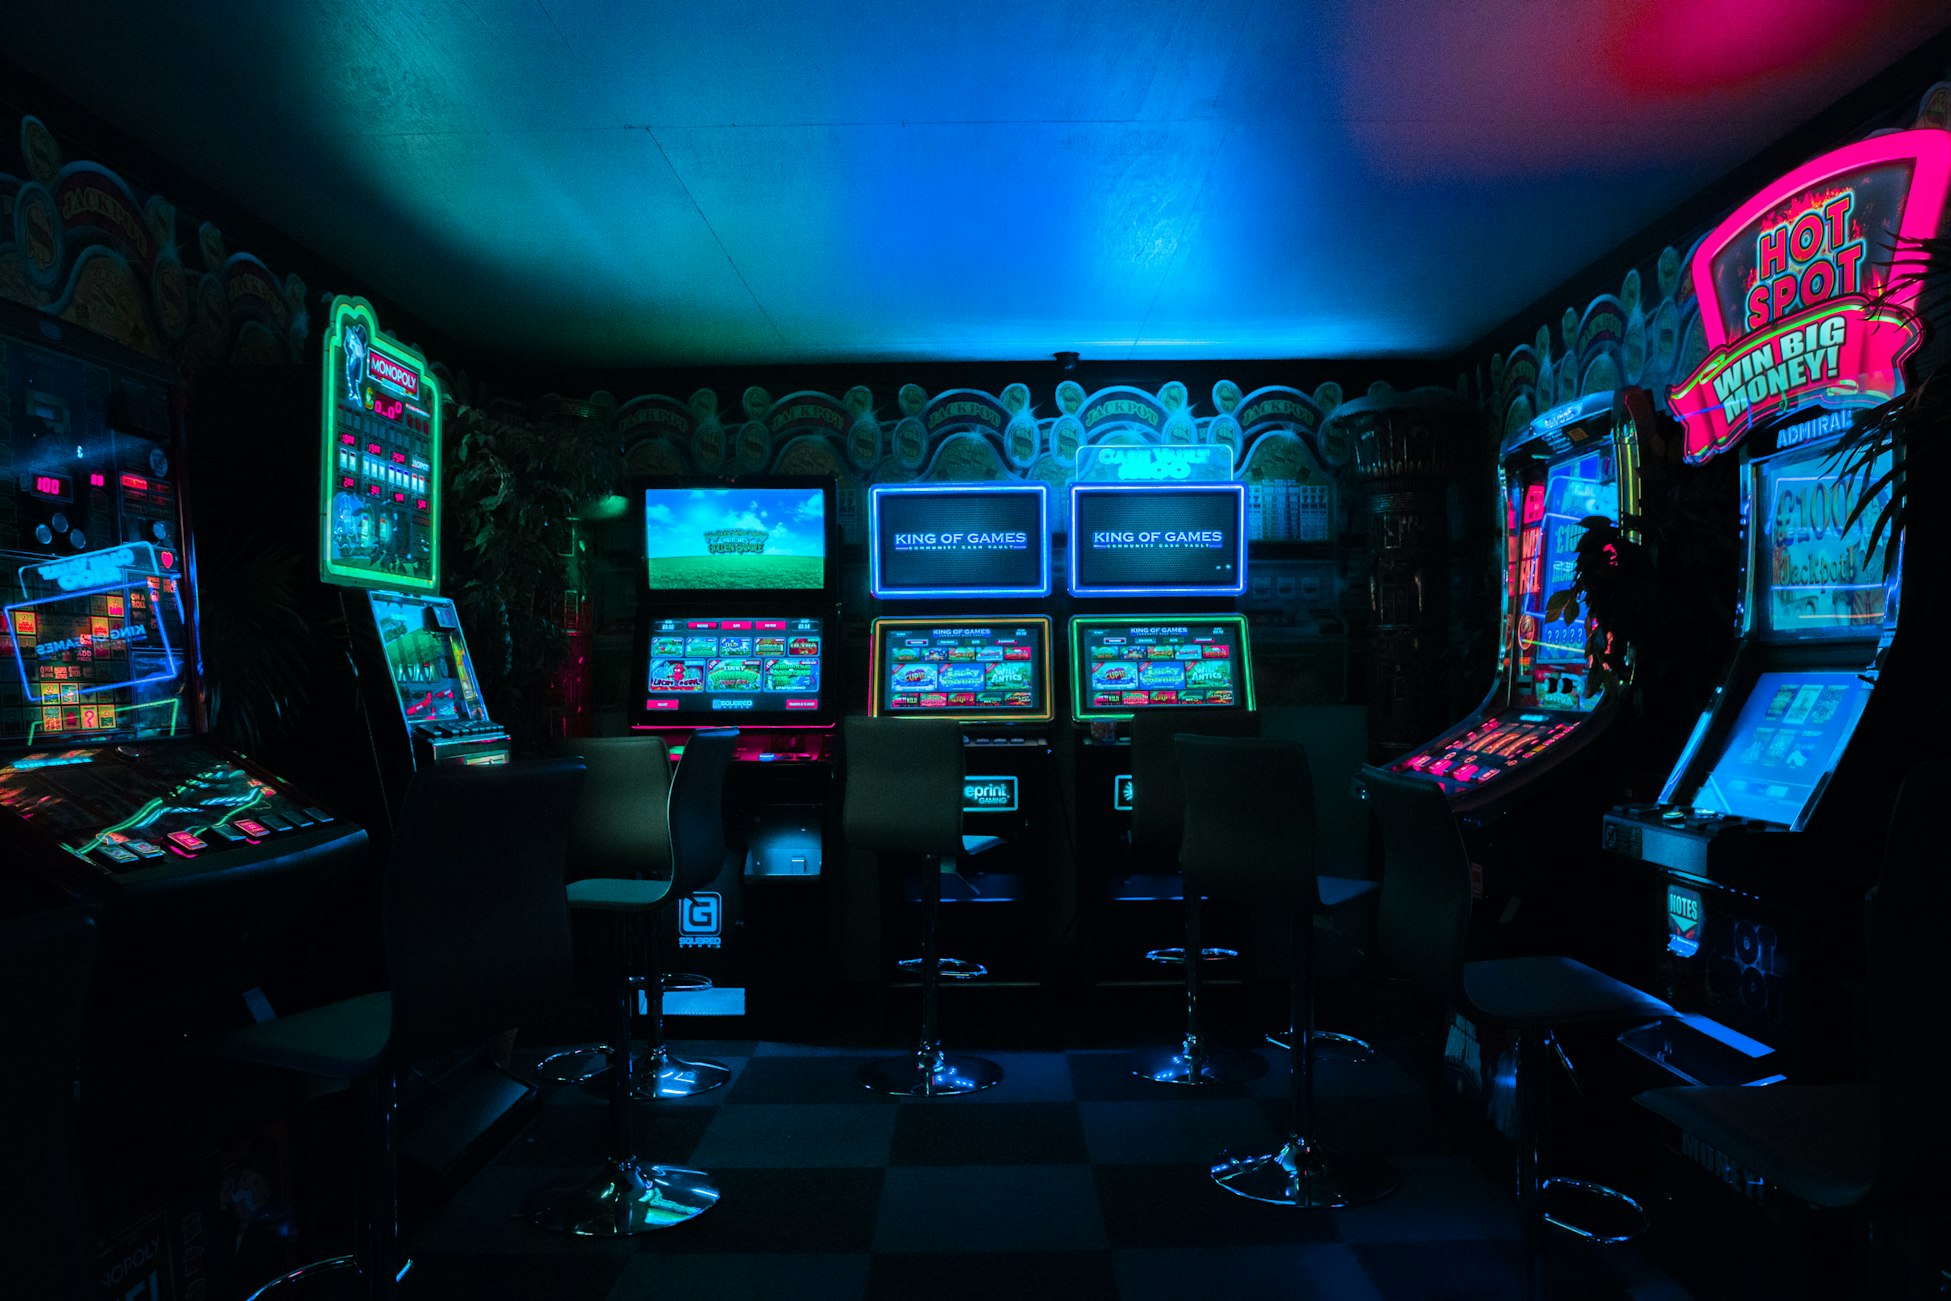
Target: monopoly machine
<point>379,534</point>
<point>110,793</point>
<point>976,557</point>
<point>1176,550</point>
<point>1768,830</point>
<point>738,625</point>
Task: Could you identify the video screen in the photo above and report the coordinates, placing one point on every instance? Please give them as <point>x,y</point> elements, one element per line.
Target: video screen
<point>1550,657</point>
<point>1121,666</point>
<point>960,540</point>
<point>715,668</point>
<point>972,670</point>
<point>427,656</point>
<point>98,646</point>
<point>1814,576</point>
<point>1153,540</point>
<point>727,539</point>
<point>1495,746</point>
<point>1791,730</point>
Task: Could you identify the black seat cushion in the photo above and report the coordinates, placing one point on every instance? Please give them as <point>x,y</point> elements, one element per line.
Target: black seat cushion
<point>1552,991</point>
<point>345,1040</point>
<point>1817,1141</point>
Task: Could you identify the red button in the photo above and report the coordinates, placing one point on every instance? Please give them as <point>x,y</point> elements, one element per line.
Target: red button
<point>187,840</point>
<point>251,827</point>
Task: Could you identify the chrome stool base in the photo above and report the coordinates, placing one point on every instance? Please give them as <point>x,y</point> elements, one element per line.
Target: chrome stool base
<point>1205,1066</point>
<point>333,1277</point>
<point>574,1065</point>
<point>1301,1173</point>
<point>950,969</point>
<point>930,1075</point>
<point>660,1077</point>
<point>1329,1046</point>
<point>1593,1211</point>
<point>625,1198</point>
<point>1177,955</point>
<point>685,982</point>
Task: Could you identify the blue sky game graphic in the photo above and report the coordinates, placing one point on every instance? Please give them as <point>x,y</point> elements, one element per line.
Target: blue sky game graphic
<point>755,539</point>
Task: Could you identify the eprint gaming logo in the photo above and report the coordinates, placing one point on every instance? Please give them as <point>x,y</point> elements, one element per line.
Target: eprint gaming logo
<point>701,920</point>
<point>356,348</point>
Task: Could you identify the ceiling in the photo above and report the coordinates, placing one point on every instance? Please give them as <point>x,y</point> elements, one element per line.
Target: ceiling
<point>661,183</point>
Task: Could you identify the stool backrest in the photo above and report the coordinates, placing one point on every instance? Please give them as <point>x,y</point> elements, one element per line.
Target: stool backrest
<point>475,917</point>
<point>1910,987</point>
<point>698,809</point>
<point>622,827</point>
<point>904,785</point>
<point>47,1248</point>
<point>1249,820</point>
<point>1158,803</point>
<point>1424,914</point>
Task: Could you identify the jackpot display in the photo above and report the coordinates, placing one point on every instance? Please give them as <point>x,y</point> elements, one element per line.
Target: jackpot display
<point>730,539</point>
<point>1134,539</point>
<point>966,669</point>
<point>959,540</point>
<point>379,477</point>
<point>725,669</point>
<point>1122,666</point>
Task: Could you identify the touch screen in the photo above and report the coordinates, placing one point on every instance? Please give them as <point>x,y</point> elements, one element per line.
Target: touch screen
<point>960,540</point>
<point>970,669</point>
<point>715,668</point>
<point>1790,732</point>
<point>427,656</point>
<point>1122,666</point>
<point>1145,539</point>
<point>735,539</point>
<point>1816,577</point>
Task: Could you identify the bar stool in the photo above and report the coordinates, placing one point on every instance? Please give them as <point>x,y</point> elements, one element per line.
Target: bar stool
<point>904,797</point>
<point>47,1248</point>
<point>1425,918</point>
<point>618,829</point>
<point>1250,839</point>
<point>1158,817</point>
<point>1883,1146</point>
<point>476,933</point>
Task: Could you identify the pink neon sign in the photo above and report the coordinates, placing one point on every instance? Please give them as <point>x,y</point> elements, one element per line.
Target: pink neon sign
<point>1796,288</point>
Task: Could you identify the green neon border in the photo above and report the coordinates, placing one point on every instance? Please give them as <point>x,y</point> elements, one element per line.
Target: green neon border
<point>338,575</point>
<point>1079,713</point>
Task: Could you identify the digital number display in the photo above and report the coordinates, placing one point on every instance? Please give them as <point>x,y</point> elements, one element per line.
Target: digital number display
<point>972,670</point>
<point>1120,667</point>
<point>389,408</point>
<point>50,485</point>
<point>726,668</point>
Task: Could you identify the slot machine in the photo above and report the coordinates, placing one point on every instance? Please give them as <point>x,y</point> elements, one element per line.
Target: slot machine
<point>1766,835</point>
<point>1180,550</point>
<point>111,793</point>
<point>738,625</point>
<point>379,535</point>
<point>977,554</point>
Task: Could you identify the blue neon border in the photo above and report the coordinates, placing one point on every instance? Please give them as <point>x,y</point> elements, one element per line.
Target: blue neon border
<point>1182,488</point>
<point>170,657</point>
<point>874,495</point>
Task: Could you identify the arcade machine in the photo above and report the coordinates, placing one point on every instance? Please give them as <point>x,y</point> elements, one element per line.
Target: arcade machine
<point>379,533</point>
<point>1182,550</point>
<point>969,550</point>
<point>1767,833</point>
<point>737,627</point>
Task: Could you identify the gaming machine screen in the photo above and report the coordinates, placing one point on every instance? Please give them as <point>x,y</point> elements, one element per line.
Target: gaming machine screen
<point>960,540</point>
<point>975,669</point>
<point>1144,539</point>
<point>427,656</point>
<point>1121,666</point>
<point>724,668</point>
<point>1815,573</point>
<point>1789,734</point>
<point>728,539</point>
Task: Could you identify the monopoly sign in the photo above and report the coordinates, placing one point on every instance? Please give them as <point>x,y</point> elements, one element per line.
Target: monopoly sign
<point>1808,290</point>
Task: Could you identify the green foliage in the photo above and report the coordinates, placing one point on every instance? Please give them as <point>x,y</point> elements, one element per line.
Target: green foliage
<point>263,650</point>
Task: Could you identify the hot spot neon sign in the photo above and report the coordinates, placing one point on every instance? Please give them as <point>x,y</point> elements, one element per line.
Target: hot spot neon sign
<point>1798,296</point>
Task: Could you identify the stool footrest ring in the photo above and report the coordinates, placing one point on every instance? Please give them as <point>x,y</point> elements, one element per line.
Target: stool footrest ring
<point>1302,1173</point>
<point>1593,1211</point>
<point>951,968</point>
<point>1329,1046</point>
<point>1176,955</point>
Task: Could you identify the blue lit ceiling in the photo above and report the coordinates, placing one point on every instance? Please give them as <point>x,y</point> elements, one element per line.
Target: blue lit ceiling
<point>615,183</point>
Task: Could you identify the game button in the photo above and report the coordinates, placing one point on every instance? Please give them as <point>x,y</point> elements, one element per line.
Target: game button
<point>252,827</point>
<point>143,849</point>
<point>188,841</point>
<point>116,854</point>
<point>225,832</point>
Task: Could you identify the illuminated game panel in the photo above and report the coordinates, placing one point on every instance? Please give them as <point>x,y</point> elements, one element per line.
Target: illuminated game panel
<point>1791,730</point>
<point>1124,666</point>
<point>1815,577</point>
<point>722,539</point>
<point>995,669</point>
<point>959,540</point>
<point>1550,657</point>
<point>380,473</point>
<point>1157,540</point>
<point>719,667</point>
<point>1493,747</point>
<point>427,657</point>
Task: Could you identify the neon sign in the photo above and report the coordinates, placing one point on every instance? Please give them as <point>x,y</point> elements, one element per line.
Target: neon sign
<point>1805,294</point>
